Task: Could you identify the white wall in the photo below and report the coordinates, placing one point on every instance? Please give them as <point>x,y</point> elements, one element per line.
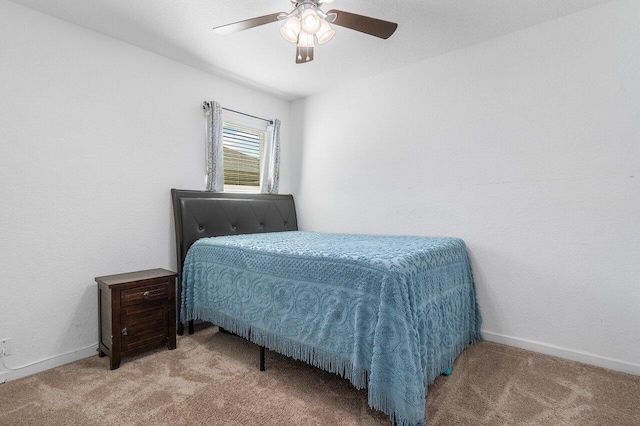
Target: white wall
<point>526,146</point>
<point>93,135</point>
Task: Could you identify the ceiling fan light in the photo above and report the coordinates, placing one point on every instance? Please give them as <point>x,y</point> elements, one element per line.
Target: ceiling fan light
<point>310,21</point>
<point>291,29</point>
<point>325,33</point>
<point>305,40</point>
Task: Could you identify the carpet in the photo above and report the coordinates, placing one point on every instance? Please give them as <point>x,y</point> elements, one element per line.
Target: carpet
<point>213,379</point>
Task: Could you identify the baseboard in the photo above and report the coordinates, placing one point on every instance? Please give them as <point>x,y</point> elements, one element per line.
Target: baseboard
<point>47,364</point>
<point>544,348</point>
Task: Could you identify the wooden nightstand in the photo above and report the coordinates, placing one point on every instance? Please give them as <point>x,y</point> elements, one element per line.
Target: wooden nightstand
<point>136,312</point>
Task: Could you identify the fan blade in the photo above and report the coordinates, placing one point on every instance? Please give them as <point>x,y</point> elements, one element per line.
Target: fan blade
<point>248,23</point>
<point>304,54</point>
<point>364,24</point>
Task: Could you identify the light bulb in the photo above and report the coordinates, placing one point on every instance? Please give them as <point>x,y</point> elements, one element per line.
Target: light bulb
<point>310,21</point>
<point>305,40</point>
<point>291,29</point>
<point>325,33</point>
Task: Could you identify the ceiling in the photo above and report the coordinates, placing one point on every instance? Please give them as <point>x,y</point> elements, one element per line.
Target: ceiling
<point>260,57</point>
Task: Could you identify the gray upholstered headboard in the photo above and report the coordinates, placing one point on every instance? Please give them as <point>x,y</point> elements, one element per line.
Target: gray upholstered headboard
<point>200,214</point>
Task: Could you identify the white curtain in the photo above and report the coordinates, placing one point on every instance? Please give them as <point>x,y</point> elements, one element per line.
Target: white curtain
<point>215,165</point>
<point>271,165</point>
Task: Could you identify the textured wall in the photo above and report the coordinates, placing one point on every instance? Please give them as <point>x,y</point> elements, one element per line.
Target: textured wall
<point>527,147</point>
<point>93,134</point>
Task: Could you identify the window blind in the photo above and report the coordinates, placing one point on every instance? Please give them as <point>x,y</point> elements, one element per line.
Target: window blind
<point>243,146</point>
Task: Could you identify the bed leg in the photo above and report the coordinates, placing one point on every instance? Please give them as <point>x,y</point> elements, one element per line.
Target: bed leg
<point>180,329</point>
<point>447,372</point>
<point>191,327</point>
<point>262,358</point>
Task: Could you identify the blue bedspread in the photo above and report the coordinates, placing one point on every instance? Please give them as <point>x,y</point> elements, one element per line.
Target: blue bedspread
<point>386,312</point>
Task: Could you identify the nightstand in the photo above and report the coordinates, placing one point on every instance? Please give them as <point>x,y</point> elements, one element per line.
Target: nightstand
<point>136,312</point>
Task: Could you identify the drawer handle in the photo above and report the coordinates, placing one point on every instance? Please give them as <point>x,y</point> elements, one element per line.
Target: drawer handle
<point>124,332</point>
<point>146,295</point>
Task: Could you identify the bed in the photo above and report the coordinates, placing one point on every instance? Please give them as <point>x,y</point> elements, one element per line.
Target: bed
<point>388,313</point>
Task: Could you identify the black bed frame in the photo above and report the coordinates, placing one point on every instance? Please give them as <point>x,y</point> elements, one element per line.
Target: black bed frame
<point>200,214</point>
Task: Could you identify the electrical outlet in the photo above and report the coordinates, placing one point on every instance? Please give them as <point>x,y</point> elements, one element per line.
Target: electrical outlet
<point>5,344</point>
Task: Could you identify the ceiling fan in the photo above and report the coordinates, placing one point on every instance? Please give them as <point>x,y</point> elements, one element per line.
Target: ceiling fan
<point>307,23</point>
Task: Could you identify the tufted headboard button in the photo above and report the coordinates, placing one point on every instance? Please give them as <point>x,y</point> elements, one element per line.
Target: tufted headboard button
<point>233,227</point>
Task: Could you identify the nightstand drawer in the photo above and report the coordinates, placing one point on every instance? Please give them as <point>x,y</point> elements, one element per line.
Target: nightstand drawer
<point>146,294</point>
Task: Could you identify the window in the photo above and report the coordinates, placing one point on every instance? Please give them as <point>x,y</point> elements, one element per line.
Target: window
<point>243,141</point>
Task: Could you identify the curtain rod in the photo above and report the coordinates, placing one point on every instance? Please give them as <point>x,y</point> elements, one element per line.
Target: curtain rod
<point>248,115</point>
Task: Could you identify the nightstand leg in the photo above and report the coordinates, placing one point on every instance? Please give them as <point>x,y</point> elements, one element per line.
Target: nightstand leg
<point>114,362</point>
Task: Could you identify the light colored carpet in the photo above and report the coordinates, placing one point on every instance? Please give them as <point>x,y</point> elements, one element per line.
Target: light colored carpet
<point>213,379</point>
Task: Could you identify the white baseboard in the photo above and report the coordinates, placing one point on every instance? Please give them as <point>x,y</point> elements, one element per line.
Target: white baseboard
<point>47,364</point>
<point>544,348</point>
